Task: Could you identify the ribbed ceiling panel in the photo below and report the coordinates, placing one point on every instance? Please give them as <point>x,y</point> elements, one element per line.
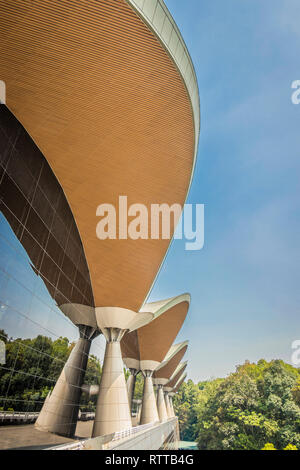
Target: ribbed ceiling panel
<point>106,105</point>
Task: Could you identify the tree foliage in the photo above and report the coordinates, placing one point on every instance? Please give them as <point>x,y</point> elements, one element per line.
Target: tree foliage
<point>32,368</point>
<point>256,407</point>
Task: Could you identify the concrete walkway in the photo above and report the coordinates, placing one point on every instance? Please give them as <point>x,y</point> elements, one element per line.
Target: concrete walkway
<point>26,437</point>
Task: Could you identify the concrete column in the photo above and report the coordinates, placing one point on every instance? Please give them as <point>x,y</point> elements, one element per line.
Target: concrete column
<point>168,407</point>
<point>112,412</point>
<point>131,385</point>
<point>171,405</point>
<point>59,413</point>
<point>138,420</point>
<point>149,412</point>
<point>161,405</point>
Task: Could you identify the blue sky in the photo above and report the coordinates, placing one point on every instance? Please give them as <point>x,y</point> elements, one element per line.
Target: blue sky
<point>245,282</point>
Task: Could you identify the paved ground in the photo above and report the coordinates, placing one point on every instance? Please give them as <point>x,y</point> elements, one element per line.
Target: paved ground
<point>27,437</point>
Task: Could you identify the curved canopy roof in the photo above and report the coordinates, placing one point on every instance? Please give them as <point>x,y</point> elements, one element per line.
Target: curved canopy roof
<point>177,374</point>
<point>171,361</point>
<point>153,341</point>
<point>112,112</point>
<point>179,383</point>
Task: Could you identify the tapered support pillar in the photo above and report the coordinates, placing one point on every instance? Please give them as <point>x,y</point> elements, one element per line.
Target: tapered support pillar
<point>59,413</point>
<point>139,412</point>
<point>131,385</point>
<point>161,405</point>
<point>149,412</point>
<point>171,405</point>
<point>168,407</point>
<point>112,412</point>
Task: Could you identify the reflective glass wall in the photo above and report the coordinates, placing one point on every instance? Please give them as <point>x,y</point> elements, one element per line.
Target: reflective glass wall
<point>42,266</point>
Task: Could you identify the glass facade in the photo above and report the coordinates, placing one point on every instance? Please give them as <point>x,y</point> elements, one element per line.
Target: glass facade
<point>42,266</point>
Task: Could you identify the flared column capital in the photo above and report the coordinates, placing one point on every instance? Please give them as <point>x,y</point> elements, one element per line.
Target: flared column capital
<point>147,373</point>
<point>122,318</point>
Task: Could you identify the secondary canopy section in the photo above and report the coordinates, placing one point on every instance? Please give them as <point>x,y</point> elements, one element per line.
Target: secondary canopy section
<point>148,346</point>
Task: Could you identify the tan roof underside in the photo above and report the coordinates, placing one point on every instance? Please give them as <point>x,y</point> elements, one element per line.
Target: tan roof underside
<point>153,341</point>
<point>180,383</point>
<point>173,382</point>
<point>166,371</point>
<point>106,105</point>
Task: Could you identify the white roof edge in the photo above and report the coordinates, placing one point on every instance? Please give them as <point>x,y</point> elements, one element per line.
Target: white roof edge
<point>174,349</point>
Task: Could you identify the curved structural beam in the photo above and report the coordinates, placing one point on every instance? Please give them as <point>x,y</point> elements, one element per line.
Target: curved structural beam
<point>164,372</point>
<point>176,376</point>
<point>179,383</point>
<point>174,349</point>
<point>160,20</point>
<point>139,351</point>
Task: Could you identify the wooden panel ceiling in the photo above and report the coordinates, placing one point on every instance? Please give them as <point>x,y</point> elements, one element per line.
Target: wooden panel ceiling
<point>166,371</point>
<point>173,382</point>
<point>153,341</point>
<point>105,104</point>
<point>180,382</point>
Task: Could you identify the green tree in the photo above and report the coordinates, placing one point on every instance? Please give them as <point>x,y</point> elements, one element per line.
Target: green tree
<point>251,407</point>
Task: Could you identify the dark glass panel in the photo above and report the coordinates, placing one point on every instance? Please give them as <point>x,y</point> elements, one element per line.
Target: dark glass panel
<point>65,286</point>
<point>21,175</point>
<point>36,208</point>
<point>77,297</point>
<point>64,211</point>
<point>80,282</point>
<point>68,268</point>
<point>50,288</point>
<point>59,231</point>
<point>32,248</point>
<point>43,208</point>
<point>9,124</point>
<point>31,156</point>
<point>13,198</point>
<point>73,250</point>
<point>1,172</point>
<point>49,270</point>
<point>54,250</point>
<point>5,148</point>
<point>49,184</point>
<point>37,228</point>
